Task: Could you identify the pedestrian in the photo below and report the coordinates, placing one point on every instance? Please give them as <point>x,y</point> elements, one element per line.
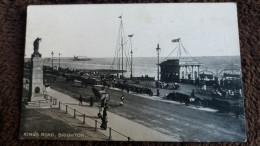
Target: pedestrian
<point>104,121</point>
<point>196,82</point>
<point>80,100</point>
<point>192,94</point>
<point>204,86</point>
<point>103,103</point>
<point>122,99</point>
<point>91,100</point>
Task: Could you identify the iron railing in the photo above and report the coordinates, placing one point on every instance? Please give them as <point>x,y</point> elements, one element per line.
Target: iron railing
<point>84,116</point>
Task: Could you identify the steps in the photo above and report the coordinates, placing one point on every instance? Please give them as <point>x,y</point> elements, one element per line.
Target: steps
<point>40,104</point>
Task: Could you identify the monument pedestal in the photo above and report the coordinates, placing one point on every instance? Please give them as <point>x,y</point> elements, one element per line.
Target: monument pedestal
<point>36,84</point>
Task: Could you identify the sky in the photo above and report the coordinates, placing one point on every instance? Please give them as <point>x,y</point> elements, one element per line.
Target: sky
<point>205,29</point>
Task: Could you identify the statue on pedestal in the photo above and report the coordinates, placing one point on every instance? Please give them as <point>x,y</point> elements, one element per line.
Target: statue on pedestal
<point>36,82</point>
<point>36,47</point>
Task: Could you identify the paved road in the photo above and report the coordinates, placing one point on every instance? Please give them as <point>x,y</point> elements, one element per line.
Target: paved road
<point>172,118</point>
<point>128,128</point>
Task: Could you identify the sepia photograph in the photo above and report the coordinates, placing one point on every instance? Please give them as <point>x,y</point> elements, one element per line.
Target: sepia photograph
<point>133,72</point>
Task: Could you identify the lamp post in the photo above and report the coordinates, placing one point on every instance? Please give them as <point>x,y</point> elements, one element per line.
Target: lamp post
<point>130,37</point>
<point>131,75</point>
<point>59,61</point>
<point>52,60</point>
<point>158,49</point>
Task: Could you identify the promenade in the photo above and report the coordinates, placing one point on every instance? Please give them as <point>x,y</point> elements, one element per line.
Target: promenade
<point>122,128</point>
<point>47,121</point>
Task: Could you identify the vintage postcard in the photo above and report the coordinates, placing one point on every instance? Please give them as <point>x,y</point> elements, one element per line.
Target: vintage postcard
<point>133,72</point>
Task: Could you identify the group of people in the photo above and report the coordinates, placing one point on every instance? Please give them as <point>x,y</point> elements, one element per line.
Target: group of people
<point>104,106</point>
<point>103,109</point>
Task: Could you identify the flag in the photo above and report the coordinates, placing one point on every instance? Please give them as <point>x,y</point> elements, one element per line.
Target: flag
<point>176,40</point>
<point>120,17</point>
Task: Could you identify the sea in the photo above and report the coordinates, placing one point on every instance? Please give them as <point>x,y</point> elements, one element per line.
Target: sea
<point>148,65</point>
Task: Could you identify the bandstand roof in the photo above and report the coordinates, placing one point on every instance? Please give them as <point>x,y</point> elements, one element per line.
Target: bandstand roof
<point>180,62</point>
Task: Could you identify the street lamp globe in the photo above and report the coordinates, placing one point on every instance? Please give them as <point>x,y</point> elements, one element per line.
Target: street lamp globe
<point>158,49</point>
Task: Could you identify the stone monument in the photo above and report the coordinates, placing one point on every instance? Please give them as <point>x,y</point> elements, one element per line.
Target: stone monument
<point>36,83</point>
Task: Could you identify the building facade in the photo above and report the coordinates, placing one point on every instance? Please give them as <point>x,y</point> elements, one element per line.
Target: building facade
<point>176,70</point>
